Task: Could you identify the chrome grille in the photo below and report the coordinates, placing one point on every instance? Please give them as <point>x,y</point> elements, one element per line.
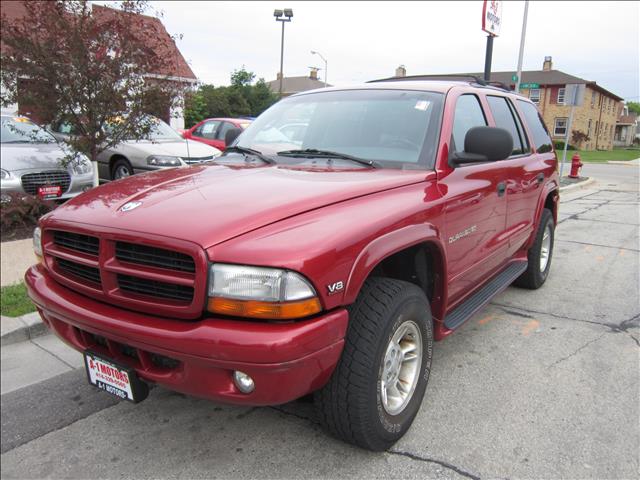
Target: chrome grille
<point>194,160</point>
<point>32,181</point>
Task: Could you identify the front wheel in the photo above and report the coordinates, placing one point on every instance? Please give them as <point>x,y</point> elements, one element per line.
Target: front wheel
<point>121,169</point>
<point>377,387</point>
<point>539,255</point>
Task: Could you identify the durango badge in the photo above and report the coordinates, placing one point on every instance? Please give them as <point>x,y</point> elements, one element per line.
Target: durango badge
<point>130,206</point>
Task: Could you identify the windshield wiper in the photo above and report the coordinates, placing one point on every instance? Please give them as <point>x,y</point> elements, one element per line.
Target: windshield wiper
<point>250,151</point>
<point>314,152</point>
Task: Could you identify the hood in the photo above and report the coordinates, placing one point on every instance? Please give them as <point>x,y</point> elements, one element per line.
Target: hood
<point>25,156</point>
<point>210,204</point>
<point>174,148</point>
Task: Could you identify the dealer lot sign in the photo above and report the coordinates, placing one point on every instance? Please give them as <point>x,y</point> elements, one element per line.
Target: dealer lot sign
<point>492,17</point>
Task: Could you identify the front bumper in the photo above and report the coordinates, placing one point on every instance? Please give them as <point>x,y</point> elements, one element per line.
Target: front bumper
<point>79,184</point>
<point>285,360</point>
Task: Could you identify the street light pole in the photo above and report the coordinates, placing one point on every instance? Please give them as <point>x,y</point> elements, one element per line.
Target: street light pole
<point>520,54</point>
<point>282,16</point>
<point>325,66</point>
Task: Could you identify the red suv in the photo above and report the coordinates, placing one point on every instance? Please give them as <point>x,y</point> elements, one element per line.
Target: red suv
<point>324,264</point>
<point>212,131</point>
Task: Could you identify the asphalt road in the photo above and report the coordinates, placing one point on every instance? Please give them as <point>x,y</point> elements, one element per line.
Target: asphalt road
<point>539,384</point>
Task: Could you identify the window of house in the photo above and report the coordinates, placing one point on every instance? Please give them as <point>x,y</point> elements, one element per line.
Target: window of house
<point>505,117</point>
<point>561,92</point>
<point>611,131</point>
<point>589,128</point>
<point>560,127</point>
<point>539,132</point>
<point>593,99</point>
<point>468,114</point>
<point>534,95</point>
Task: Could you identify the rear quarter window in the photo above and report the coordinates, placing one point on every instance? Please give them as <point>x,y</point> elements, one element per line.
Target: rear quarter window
<point>541,138</point>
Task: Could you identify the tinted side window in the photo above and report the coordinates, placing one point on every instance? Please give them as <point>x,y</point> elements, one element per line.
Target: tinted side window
<point>504,117</point>
<point>468,114</point>
<point>541,138</point>
<point>222,131</point>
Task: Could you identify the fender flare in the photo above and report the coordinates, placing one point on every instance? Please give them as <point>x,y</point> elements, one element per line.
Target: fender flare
<point>388,244</point>
<point>548,189</point>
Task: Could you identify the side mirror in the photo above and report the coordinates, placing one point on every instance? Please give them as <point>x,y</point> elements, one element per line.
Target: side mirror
<point>484,144</point>
<point>231,135</point>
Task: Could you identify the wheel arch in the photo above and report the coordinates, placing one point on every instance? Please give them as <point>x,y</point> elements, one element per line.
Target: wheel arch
<point>414,254</point>
<point>114,158</point>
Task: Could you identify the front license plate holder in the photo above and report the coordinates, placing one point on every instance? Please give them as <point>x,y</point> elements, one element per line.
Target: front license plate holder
<point>120,381</point>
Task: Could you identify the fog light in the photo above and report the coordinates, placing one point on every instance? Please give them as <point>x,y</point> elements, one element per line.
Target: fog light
<point>243,381</point>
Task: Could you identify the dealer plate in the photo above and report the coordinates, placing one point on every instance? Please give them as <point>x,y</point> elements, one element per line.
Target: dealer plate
<point>47,192</point>
<point>119,381</point>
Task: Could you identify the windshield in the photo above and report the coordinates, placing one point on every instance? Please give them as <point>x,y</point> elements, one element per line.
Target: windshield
<point>23,130</point>
<point>396,128</point>
<point>159,131</point>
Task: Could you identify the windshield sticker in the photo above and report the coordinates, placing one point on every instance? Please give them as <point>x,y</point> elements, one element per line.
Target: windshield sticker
<point>422,105</point>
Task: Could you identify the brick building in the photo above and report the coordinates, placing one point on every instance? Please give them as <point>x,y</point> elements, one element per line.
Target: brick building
<point>596,117</point>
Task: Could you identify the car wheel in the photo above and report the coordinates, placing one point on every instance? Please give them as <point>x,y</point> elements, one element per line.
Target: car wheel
<point>121,169</point>
<point>539,254</point>
<point>377,387</point>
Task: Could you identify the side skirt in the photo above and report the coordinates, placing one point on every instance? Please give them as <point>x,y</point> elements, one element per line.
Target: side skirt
<point>475,302</point>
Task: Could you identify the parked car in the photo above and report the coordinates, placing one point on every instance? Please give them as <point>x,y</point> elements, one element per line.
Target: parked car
<point>212,131</point>
<point>327,267</point>
<point>162,148</point>
<point>32,163</point>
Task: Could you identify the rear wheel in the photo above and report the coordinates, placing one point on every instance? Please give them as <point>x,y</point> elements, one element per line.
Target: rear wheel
<point>377,387</point>
<point>121,169</point>
<point>540,254</point>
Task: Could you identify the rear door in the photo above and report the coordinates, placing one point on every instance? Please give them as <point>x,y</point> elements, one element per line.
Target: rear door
<point>475,209</point>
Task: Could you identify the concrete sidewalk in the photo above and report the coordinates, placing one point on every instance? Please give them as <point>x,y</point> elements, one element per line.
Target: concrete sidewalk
<point>15,258</point>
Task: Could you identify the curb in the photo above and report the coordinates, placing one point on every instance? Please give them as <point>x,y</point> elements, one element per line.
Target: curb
<point>20,329</point>
<point>579,185</point>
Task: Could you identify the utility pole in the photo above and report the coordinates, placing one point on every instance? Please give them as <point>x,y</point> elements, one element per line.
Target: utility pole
<point>521,53</point>
<point>282,16</point>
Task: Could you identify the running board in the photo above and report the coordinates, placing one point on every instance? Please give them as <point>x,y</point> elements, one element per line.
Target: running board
<point>462,312</point>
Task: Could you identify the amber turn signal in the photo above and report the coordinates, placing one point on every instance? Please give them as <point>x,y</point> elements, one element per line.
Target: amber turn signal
<point>264,310</point>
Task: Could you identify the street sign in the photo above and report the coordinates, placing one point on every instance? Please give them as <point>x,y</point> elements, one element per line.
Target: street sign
<point>514,78</point>
<point>529,85</point>
<point>574,94</point>
<point>492,17</point>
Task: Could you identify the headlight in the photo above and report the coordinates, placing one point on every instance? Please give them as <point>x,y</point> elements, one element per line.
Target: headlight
<point>258,292</point>
<point>163,161</point>
<point>4,174</point>
<point>81,166</point>
<point>37,242</point>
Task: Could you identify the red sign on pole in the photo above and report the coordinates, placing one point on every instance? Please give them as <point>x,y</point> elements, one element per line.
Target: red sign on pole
<point>492,17</point>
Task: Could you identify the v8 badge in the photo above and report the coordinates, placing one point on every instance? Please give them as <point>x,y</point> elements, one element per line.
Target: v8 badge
<point>335,287</point>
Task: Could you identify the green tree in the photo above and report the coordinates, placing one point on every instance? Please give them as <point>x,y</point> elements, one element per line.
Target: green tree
<point>634,107</point>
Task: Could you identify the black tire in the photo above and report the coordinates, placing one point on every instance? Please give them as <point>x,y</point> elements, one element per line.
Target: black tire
<point>121,164</point>
<point>350,405</point>
<point>533,277</point>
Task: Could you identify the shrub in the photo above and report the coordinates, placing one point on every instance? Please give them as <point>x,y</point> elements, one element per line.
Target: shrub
<point>19,212</point>
<point>559,145</point>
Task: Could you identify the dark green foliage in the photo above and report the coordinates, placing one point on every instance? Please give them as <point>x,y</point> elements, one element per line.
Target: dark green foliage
<point>242,98</point>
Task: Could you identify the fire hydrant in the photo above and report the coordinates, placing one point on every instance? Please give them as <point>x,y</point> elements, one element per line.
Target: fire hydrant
<point>576,164</point>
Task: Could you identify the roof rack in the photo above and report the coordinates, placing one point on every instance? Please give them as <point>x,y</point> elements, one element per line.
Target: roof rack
<point>459,78</point>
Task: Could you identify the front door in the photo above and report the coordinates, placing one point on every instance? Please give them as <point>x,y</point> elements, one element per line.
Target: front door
<point>475,209</point>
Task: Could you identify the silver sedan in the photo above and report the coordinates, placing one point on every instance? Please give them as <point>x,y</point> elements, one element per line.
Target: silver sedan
<point>32,163</point>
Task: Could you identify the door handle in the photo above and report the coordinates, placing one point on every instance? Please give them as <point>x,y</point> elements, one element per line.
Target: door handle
<point>502,187</point>
<point>540,177</point>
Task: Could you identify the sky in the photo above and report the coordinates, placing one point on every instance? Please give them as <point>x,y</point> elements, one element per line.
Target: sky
<point>367,40</point>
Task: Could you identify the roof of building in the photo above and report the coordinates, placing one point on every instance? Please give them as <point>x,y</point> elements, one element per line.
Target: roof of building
<point>165,45</point>
<point>292,85</point>
<point>630,119</point>
<point>544,77</point>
